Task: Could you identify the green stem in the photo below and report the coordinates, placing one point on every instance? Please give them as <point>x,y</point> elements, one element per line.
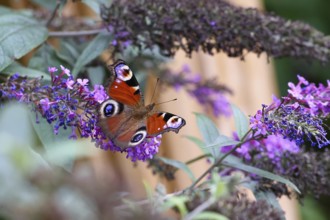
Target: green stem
<point>197,158</point>
<point>218,162</point>
<point>75,33</point>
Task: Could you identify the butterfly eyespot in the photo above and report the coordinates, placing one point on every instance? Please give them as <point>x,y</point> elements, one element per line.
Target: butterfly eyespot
<point>124,73</point>
<point>174,122</point>
<point>138,137</point>
<point>110,108</point>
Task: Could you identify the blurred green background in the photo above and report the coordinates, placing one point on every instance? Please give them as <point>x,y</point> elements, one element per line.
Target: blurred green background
<point>315,13</point>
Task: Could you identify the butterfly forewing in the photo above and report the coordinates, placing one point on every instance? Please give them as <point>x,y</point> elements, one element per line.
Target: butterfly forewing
<point>124,87</point>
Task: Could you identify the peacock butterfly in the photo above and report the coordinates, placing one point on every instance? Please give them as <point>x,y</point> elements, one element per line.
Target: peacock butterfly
<point>124,117</point>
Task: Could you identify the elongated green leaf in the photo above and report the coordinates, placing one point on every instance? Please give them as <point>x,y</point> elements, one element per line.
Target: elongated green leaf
<point>148,189</point>
<point>95,4</point>
<point>19,34</point>
<point>210,215</point>
<point>93,50</point>
<point>209,132</point>
<point>222,141</point>
<point>179,165</point>
<point>198,142</point>
<point>14,120</point>
<point>241,121</point>
<point>45,132</point>
<point>96,74</point>
<point>49,4</point>
<point>178,202</point>
<point>63,153</point>
<point>25,71</point>
<point>232,161</point>
<point>271,199</point>
<point>20,153</point>
<point>68,52</point>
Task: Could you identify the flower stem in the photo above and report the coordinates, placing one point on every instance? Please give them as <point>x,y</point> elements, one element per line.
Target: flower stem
<point>218,162</point>
<point>197,158</point>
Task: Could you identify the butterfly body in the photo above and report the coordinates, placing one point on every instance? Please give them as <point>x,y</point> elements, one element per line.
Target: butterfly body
<point>124,117</point>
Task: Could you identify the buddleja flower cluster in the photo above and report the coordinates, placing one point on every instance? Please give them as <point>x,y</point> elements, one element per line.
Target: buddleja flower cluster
<point>211,26</point>
<point>208,93</point>
<point>283,130</point>
<point>299,117</point>
<point>69,104</point>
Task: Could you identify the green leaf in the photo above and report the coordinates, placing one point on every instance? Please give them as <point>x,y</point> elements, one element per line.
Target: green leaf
<point>63,153</point>
<point>19,34</point>
<point>210,216</point>
<point>49,4</point>
<point>68,52</point>
<point>232,161</point>
<point>222,141</point>
<point>209,132</point>
<point>95,5</point>
<point>179,165</point>
<point>96,74</point>
<point>148,189</point>
<point>271,199</point>
<point>178,202</point>
<point>93,50</point>
<point>45,133</point>
<point>20,153</point>
<point>241,122</point>
<point>218,187</point>
<point>25,71</point>
<point>14,120</point>
<point>198,142</point>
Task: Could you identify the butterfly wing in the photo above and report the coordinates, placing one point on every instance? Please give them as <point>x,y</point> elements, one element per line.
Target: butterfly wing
<point>123,86</point>
<point>116,112</point>
<point>161,122</point>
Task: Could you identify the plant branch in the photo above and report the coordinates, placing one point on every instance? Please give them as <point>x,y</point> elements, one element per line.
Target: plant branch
<point>197,158</point>
<point>51,18</point>
<point>75,33</point>
<point>218,162</point>
<point>199,209</point>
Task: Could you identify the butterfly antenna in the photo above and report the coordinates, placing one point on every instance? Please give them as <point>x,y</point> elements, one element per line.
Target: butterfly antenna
<point>172,100</point>
<point>154,92</point>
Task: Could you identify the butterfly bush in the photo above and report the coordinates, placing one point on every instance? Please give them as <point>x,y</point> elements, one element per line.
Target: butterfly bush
<point>69,104</point>
<point>281,133</point>
<point>298,117</point>
<point>287,125</point>
<point>210,26</point>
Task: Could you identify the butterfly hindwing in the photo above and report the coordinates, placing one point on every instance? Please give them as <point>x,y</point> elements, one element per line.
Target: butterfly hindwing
<point>124,87</point>
<point>119,126</point>
<point>162,122</point>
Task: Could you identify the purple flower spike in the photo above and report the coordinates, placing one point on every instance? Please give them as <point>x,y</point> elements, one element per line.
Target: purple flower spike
<point>209,93</point>
<point>298,117</point>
